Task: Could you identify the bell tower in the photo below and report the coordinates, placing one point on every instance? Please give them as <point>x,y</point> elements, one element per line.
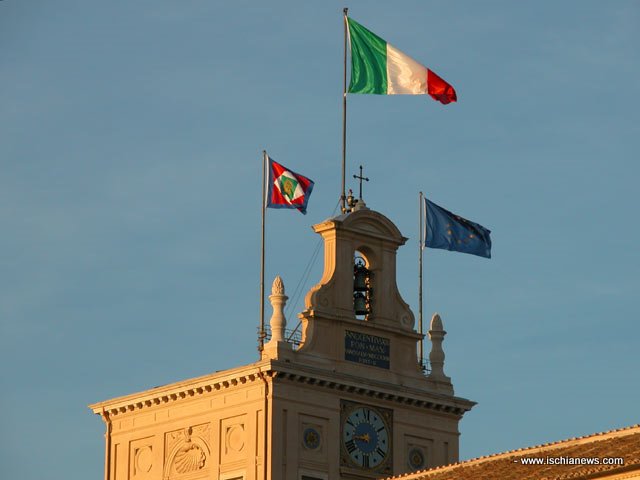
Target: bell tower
<point>360,264</point>
<point>372,408</point>
<point>347,400</point>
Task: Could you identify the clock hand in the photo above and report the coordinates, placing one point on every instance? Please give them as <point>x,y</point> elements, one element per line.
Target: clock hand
<point>364,437</point>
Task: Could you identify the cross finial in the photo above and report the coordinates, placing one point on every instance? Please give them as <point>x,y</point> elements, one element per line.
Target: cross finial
<point>361,178</point>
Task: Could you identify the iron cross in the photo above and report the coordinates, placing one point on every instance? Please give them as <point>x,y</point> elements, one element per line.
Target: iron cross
<point>361,178</point>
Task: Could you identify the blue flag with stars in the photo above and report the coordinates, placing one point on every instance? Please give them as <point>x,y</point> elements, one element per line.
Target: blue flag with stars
<point>449,231</point>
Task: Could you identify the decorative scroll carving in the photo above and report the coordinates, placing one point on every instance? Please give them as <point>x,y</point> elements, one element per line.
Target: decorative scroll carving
<point>187,451</point>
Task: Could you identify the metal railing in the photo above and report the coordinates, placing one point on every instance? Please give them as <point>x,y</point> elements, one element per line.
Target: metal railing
<point>425,365</point>
<point>294,337</point>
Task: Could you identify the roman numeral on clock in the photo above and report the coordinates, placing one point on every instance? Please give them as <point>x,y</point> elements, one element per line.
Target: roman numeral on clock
<point>351,446</point>
<point>365,461</point>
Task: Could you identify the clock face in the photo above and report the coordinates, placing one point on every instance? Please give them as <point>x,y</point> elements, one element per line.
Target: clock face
<point>365,437</point>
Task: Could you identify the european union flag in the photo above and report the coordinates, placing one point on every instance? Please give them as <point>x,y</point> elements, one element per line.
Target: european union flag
<point>452,232</point>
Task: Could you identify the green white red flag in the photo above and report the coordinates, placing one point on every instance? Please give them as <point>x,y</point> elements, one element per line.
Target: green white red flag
<point>379,68</point>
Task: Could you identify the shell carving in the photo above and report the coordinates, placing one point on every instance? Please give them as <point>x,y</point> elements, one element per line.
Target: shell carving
<point>189,459</point>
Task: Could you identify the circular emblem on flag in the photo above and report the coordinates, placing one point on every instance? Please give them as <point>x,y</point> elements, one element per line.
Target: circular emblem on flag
<point>287,189</point>
<point>288,186</point>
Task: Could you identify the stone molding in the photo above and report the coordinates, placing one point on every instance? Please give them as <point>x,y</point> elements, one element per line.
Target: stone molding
<point>408,396</point>
<point>179,391</point>
<point>372,224</point>
<point>341,382</point>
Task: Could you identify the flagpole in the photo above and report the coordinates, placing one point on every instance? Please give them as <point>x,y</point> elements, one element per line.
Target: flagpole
<point>263,207</point>
<point>420,248</point>
<point>344,117</point>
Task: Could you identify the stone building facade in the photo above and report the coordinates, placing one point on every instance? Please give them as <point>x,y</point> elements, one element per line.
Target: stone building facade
<point>349,400</point>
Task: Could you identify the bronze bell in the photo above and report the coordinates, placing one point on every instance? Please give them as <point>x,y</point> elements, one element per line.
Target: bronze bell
<point>360,280</point>
<point>360,303</point>
<point>360,276</point>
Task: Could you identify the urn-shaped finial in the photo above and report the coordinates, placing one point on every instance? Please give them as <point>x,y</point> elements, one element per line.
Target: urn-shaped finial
<point>436,356</point>
<point>278,301</point>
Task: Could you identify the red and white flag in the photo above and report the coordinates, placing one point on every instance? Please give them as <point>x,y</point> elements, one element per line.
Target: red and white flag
<point>287,189</point>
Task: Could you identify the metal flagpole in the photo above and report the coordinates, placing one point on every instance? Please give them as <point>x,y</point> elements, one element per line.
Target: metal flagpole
<point>344,116</point>
<point>421,248</point>
<point>264,208</point>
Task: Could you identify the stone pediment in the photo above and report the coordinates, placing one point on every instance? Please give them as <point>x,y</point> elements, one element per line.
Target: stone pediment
<point>367,223</point>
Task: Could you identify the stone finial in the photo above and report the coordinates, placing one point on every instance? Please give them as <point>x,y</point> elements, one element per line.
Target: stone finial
<point>278,286</point>
<point>436,323</point>
<point>278,321</point>
<point>436,356</point>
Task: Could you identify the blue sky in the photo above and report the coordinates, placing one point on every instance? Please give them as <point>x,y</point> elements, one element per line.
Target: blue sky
<point>130,170</point>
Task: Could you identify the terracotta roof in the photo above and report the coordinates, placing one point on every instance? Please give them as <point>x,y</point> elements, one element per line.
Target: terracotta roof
<point>623,443</point>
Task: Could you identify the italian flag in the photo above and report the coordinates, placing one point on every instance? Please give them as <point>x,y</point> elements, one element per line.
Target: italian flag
<point>380,68</point>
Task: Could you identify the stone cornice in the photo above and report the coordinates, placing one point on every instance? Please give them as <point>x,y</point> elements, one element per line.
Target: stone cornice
<point>283,371</point>
<point>185,389</point>
<point>367,222</point>
<point>374,389</point>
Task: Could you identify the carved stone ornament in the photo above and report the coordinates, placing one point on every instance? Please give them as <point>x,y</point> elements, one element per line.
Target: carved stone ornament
<point>416,458</point>
<point>311,437</point>
<point>189,459</point>
<point>143,460</point>
<point>278,286</point>
<point>188,451</point>
<point>235,438</point>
